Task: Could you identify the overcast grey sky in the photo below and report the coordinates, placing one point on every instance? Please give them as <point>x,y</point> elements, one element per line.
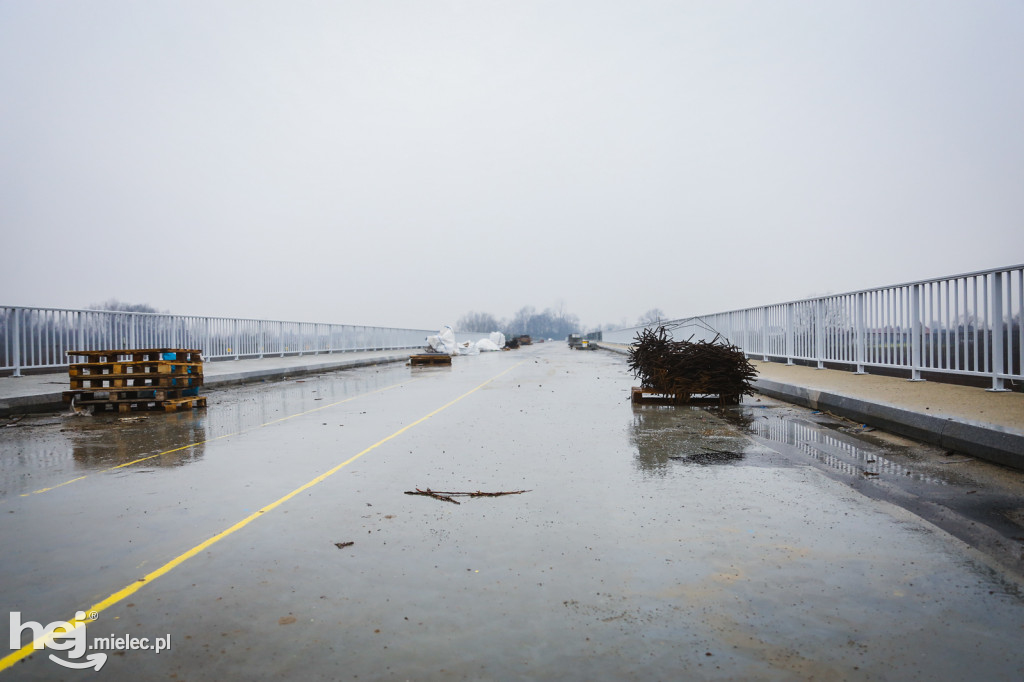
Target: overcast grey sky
<point>402,163</point>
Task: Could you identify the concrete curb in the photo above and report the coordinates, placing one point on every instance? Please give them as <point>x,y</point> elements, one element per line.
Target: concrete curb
<point>984,441</point>
<point>43,402</point>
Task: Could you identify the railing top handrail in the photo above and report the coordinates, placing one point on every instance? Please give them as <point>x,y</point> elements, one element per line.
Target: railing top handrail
<point>932,280</point>
<point>209,317</point>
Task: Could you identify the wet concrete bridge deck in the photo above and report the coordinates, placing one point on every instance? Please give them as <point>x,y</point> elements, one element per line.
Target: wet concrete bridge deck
<point>270,535</point>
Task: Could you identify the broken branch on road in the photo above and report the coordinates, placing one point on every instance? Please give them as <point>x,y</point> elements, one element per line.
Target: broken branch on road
<point>448,496</point>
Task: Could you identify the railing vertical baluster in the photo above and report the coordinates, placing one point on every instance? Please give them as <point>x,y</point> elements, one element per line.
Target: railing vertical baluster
<point>974,314</point>
<point>16,345</point>
<point>859,332</point>
<point>930,343</point>
<point>915,333</point>
<point>956,324</point>
<point>986,364</point>
<point>1020,322</point>
<point>789,333</point>
<point>996,330</point>
<point>746,326</point>
<point>945,325</point>
<point>764,334</point>
<point>819,333</point>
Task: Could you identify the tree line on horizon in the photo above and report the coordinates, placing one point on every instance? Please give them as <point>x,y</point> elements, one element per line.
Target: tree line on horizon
<point>550,323</point>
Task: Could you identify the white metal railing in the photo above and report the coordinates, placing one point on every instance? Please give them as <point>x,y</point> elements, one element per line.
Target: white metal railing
<point>32,338</point>
<point>969,324</point>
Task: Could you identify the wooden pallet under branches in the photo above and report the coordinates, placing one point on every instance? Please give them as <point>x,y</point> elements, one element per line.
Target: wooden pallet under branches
<point>430,359</point>
<point>650,396</point>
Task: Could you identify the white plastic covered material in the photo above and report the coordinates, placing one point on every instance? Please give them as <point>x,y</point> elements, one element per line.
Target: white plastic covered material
<point>484,345</point>
<point>468,348</point>
<point>498,339</point>
<point>443,341</point>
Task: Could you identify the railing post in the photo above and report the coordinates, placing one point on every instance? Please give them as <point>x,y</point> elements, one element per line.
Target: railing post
<point>860,333</point>
<point>819,333</point>
<point>747,328</point>
<point>764,334</point>
<point>996,330</point>
<point>16,347</point>
<point>263,337</point>
<point>789,333</point>
<point>234,335</point>
<point>916,330</point>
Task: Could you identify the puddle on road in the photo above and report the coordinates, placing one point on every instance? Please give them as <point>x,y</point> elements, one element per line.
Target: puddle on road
<point>708,435</point>
<point>837,452</point>
<point>672,435</point>
<point>38,451</point>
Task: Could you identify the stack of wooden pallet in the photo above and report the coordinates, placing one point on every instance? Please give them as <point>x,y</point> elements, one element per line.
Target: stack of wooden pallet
<point>146,379</point>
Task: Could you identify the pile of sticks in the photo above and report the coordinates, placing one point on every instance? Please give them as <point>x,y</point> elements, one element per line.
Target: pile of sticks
<point>686,367</point>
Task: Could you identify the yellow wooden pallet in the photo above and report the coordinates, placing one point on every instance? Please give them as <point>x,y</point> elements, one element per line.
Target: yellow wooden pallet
<point>139,354</point>
<point>151,405</point>
<point>184,403</point>
<point>650,396</point>
<point>430,359</point>
<point>95,396</point>
<point>135,381</point>
<point>142,367</point>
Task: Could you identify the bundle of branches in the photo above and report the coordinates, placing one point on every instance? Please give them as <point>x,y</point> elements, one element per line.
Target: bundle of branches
<point>674,367</point>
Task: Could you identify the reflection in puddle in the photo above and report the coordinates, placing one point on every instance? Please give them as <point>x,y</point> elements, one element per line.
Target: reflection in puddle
<point>247,407</point>
<point>102,445</point>
<point>46,450</point>
<point>823,445</point>
<point>666,436</point>
<point>671,435</point>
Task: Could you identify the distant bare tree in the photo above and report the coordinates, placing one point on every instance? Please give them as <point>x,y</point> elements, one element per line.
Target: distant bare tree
<point>520,323</point>
<point>477,322</point>
<point>652,316</point>
<point>554,324</point>
<point>121,307</point>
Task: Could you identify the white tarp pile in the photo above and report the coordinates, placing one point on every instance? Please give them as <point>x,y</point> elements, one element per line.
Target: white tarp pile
<point>496,341</point>
<point>444,342</point>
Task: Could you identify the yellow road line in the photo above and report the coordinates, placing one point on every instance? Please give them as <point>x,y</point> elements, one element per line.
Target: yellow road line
<point>95,609</point>
<point>210,440</point>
